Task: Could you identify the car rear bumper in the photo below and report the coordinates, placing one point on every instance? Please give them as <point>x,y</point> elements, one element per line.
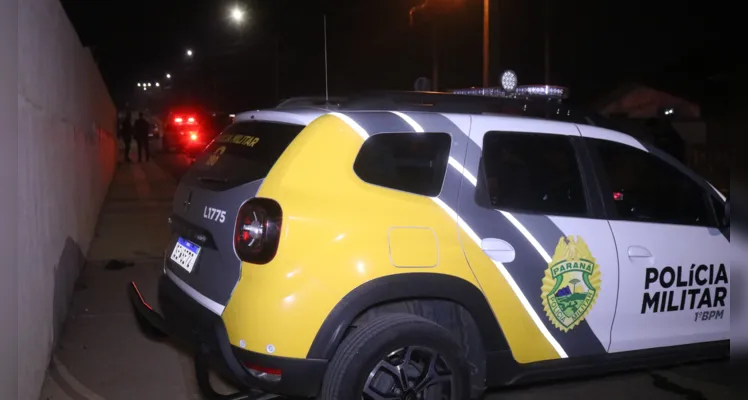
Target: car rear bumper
<point>190,324</point>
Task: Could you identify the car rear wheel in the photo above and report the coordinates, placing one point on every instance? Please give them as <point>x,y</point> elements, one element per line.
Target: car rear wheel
<point>398,356</point>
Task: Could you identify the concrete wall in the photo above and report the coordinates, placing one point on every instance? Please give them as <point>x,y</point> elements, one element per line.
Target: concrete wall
<point>8,200</point>
<point>66,158</point>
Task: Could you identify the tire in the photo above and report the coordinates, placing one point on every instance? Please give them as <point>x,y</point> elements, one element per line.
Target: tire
<point>361,352</point>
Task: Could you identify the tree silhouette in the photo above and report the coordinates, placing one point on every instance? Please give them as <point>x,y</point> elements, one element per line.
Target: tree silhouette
<point>574,284</point>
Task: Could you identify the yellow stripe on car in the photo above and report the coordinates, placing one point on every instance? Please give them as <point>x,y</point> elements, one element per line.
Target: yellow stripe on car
<point>322,256</point>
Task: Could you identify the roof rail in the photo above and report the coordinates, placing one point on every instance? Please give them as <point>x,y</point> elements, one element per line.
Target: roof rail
<point>537,107</point>
<point>311,101</point>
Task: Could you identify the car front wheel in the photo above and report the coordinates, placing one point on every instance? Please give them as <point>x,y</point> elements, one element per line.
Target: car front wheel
<point>398,357</point>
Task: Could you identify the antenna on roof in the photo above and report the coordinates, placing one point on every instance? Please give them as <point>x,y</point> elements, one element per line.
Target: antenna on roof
<point>324,23</point>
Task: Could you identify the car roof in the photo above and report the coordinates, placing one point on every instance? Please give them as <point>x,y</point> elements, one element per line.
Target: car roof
<point>298,116</point>
<point>302,111</point>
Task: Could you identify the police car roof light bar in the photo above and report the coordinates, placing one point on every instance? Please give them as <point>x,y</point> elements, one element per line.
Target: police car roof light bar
<point>435,101</point>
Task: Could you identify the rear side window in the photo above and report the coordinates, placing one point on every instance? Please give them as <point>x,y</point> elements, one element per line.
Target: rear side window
<point>533,172</point>
<point>244,152</point>
<point>413,162</point>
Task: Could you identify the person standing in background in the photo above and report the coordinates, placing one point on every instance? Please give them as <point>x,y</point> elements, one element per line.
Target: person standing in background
<point>125,132</point>
<point>141,128</point>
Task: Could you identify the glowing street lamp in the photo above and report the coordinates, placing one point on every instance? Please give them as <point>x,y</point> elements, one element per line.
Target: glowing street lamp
<point>237,15</point>
<point>189,52</point>
<point>168,76</point>
<point>157,84</point>
<point>139,84</point>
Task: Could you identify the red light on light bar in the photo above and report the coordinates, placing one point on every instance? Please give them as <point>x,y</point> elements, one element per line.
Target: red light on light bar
<point>191,119</point>
<point>178,120</point>
<point>617,196</point>
<point>193,136</point>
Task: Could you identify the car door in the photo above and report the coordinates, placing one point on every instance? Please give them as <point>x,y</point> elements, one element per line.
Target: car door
<point>673,254</point>
<point>541,235</point>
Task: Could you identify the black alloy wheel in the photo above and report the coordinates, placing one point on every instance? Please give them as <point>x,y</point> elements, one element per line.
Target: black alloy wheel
<point>397,357</point>
<point>410,373</point>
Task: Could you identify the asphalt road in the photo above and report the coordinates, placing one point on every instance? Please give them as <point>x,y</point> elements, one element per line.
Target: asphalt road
<point>691,382</point>
<point>175,164</point>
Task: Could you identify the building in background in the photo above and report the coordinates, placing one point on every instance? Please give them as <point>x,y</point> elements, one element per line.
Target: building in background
<point>722,121</point>
<point>673,123</point>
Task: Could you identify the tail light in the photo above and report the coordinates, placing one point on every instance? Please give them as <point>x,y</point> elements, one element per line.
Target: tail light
<point>181,120</point>
<point>257,231</point>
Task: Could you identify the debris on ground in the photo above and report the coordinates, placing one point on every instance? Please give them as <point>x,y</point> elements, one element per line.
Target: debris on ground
<point>116,265</point>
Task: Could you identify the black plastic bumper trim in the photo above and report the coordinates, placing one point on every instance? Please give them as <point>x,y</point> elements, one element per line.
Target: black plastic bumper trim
<point>145,312</point>
<point>187,322</point>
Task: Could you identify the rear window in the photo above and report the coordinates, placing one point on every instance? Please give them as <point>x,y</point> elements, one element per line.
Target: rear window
<point>244,152</point>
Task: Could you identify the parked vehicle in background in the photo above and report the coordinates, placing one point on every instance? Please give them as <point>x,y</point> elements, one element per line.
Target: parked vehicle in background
<point>219,121</point>
<point>184,126</point>
<point>196,140</point>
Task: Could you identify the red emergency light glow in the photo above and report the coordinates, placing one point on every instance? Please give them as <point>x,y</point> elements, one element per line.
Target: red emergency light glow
<point>181,120</point>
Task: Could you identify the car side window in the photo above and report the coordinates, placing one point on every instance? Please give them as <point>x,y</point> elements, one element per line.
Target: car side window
<point>533,172</point>
<point>647,189</point>
<point>719,208</point>
<point>413,162</point>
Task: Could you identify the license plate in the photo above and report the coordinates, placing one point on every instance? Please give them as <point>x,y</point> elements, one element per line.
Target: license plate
<point>185,254</point>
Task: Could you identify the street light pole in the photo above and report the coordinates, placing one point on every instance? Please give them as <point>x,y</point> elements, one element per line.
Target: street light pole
<point>434,42</point>
<point>277,69</point>
<point>486,47</point>
<point>435,55</point>
<point>547,7</point>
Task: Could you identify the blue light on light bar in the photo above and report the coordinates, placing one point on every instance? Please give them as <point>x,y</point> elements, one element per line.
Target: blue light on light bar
<point>551,92</point>
<point>490,92</point>
<point>556,92</point>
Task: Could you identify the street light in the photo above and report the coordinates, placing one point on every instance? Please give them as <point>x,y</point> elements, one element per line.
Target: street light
<point>189,52</point>
<point>139,84</point>
<point>149,84</point>
<point>157,84</point>
<point>237,14</point>
<point>168,76</point>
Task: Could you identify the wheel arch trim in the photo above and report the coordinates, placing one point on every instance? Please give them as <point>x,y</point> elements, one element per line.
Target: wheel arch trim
<point>407,286</point>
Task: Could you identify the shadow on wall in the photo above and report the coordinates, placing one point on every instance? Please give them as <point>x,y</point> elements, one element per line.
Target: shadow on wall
<point>68,270</point>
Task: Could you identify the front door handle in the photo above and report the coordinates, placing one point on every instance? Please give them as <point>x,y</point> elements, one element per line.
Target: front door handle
<point>639,252</point>
<point>499,250</point>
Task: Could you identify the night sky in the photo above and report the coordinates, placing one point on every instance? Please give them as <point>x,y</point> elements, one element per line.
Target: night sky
<point>594,46</point>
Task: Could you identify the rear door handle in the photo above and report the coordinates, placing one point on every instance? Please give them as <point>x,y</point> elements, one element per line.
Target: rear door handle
<point>499,250</point>
<point>639,252</point>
